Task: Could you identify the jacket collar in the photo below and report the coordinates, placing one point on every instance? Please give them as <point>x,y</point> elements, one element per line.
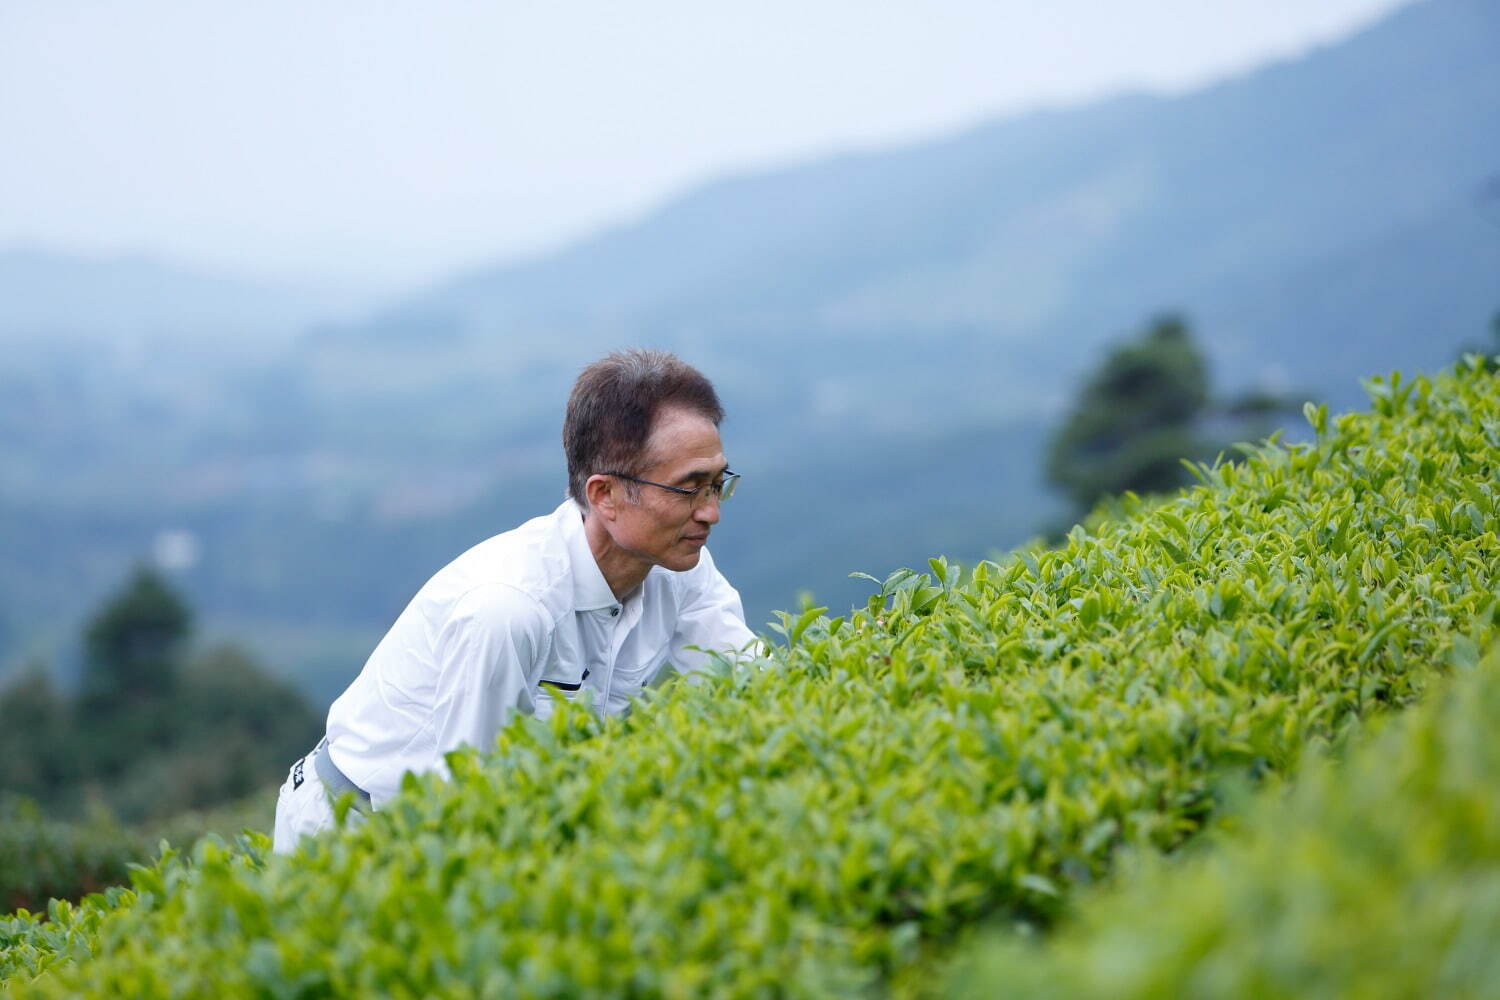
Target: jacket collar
<point>590,590</point>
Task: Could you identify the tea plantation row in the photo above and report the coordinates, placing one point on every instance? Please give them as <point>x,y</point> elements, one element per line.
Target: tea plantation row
<point>43,857</point>
<point>967,747</point>
<point>1377,877</point>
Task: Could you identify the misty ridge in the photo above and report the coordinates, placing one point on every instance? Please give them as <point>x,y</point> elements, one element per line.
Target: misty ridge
<point>894,334</point>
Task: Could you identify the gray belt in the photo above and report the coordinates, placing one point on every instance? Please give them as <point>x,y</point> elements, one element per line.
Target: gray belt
<point>335,780</point>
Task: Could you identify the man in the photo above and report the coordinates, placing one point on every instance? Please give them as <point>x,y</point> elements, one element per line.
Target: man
<point>599,596</point>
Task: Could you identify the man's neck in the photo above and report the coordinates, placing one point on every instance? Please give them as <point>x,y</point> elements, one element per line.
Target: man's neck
<point>622,570</point>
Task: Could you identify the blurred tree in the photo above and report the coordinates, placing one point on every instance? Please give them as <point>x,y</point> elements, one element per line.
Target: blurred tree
<point>155,729</point>
<point>237,728</point>
<point>132,653</point>
<point>132,645</point>
<point>36,753</point>
<point>1146,408</point>
<point>227,729</point>
<point>1133,420</point>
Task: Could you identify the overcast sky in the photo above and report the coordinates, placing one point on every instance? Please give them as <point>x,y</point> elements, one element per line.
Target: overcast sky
<point>391,143</point>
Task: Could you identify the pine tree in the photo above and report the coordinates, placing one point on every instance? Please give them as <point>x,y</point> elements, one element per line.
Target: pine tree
<point>133,644</point>
<point>132,657</point>
<point>1133,420</point>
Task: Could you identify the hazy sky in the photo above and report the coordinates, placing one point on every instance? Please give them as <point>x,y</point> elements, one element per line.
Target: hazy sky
<point>394,142</point>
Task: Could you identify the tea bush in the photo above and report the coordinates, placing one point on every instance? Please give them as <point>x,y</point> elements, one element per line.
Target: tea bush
<point>1379,877</point>
<point>824,821</point>
<point>41,858</point>
<point>44,857</point>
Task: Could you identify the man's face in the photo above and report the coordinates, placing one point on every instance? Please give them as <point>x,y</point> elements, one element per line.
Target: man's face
<point>666,528</point>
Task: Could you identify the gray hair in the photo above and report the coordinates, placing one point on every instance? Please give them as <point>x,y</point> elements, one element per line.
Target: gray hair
<point>613,409</point>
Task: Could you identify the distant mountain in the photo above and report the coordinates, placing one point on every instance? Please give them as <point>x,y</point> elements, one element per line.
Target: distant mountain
<point>893,332</point>
<point>1302,214</point>
<point>133,297</point>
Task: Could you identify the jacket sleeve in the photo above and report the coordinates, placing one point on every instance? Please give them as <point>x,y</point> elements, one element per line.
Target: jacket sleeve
<point>490,653</point>
<point>710,618</point>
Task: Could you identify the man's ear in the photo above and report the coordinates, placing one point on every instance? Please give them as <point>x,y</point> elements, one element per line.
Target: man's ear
<point>600,492</point>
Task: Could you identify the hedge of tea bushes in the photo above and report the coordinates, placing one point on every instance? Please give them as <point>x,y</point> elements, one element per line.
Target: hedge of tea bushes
<point>1378,876</point>
<point>44,857</point>
<point>827,820</point>
<point>62,932</point>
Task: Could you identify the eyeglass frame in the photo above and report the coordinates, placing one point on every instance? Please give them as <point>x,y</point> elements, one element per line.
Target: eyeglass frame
<point>723,489</point>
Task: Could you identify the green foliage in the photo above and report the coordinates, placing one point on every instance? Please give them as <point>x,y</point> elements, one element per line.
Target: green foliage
<point>36,755</point>
<point>155,729</point>
<point>226,820</point>
<point>1140,414</point>
<point>132,644</point>
<point>64,932</point>
<point>43,858</point>
<point>1378,876</point>
<point>132,649</point>
<point>969,745</point>
<point>1133,418</point>
<point>233,728</point>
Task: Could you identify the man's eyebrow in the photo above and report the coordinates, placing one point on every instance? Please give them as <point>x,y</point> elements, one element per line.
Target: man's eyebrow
<point>701,474</point>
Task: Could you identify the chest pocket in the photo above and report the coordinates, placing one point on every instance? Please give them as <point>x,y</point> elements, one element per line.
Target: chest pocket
<point>630,679</point>
<point>558,683</point>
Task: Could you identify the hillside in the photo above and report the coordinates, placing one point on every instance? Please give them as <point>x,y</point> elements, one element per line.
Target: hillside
<point>967,747</point>
<point>127,300</point>
<point>894,330</point>
<point>1333,186</point>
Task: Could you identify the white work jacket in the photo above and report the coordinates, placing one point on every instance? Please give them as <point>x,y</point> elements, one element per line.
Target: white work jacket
<point>518,621</point>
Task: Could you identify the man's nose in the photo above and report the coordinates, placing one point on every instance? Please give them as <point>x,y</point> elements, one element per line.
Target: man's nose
<point>707,510</point>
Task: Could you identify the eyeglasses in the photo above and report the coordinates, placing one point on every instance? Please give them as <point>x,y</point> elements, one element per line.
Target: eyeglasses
<point>722,488</point>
